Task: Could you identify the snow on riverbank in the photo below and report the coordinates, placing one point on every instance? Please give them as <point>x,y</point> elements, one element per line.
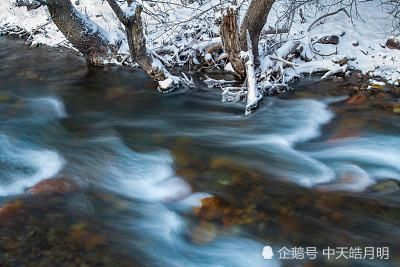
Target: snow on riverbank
<point>361,38</point>
<point>176,27</point>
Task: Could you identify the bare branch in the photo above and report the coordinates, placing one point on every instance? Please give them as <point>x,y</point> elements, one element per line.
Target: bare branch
<point>30,4</point>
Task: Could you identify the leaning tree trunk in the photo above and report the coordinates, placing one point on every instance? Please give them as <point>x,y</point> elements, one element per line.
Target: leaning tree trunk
<point>235,40</point>
<point>254,21</point>
<point>132,20</point>
<point>137,46</point>
<point>83,34</point>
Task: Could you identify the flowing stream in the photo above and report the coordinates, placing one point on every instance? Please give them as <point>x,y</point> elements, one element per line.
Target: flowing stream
<point>310,169</point>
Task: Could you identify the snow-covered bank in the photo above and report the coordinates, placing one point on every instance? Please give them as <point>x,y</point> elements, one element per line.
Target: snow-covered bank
<point>177,30</point>
<point>361,38</point>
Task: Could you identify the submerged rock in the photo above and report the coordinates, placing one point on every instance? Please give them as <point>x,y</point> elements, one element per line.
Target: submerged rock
<point>357,99</point>
<point>59,185</point>
<point>396,108</point>
<point>386,187</point>
<point>10,209</point>
<point>218,210</point>
<point>205,232</point>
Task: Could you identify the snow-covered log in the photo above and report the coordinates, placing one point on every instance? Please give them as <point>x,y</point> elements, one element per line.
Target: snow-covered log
<point>253,95</point>
<point>217,83</point>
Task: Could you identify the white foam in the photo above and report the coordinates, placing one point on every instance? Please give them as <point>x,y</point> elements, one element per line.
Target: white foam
<point>194,200</point>
<point>146,176</point>
<point>26,166</point>
<point>308,116</point>
<point>287,122</point>
<point>50,104</point>
<point>167,235</point>
<point>350,177</point>
<point>149,177</point>
<point>372,158</point>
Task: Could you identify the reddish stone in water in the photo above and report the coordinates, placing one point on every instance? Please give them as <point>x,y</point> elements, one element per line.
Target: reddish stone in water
<point>357,99</point>
<point>54,186</point>
<point>92,241</point>
<point>343,134</point>
<point>11,208</point>
<point>212,208</point>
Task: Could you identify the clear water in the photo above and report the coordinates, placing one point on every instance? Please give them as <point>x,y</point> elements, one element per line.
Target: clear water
<point>307,161</point>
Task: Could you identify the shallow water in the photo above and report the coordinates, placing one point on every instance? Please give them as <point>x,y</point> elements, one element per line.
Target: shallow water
<point>298,172</point>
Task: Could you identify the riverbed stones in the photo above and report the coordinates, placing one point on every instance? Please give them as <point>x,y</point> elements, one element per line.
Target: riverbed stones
<point>10,209</point>
<point>357,99</point>
<point>218,210</point>
<point>386,187</point>
<point>204,233</point>
<point>59,185</point>
<point>396,108</point>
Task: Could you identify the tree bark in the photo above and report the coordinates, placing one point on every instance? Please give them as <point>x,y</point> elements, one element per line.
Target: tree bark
<point>137,40</point>
<point>235,40</point>
<point>254,21</point>
<point>83,34</point>
<point>137,46</point>
<point>230,41</point>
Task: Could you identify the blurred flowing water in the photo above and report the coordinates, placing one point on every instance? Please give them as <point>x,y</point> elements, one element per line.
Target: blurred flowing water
<point>309,161</point>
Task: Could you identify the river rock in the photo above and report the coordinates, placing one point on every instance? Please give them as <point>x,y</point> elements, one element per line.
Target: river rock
<point>92,241</point>
<point>393,43</point>
<point>218,210</point>
<point>221,162</point>
<point>205,232</point>
<point>11,208</point>
<point>329,39</point>
<point>357,99</point>
<point>377,85</point>
<point>396,108</point>
<point>212,208</point>
<point>386,187</point>
<point>59,185</point>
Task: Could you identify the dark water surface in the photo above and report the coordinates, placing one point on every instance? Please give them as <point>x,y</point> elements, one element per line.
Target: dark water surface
<point>314,168</point>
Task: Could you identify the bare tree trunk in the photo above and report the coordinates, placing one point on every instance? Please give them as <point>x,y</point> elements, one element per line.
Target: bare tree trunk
<point>137,46</point>
<point>83,34</point>
<point>230,41</point>
<point>254,21</point>
<point>234,40</point>
<point>137,40</point>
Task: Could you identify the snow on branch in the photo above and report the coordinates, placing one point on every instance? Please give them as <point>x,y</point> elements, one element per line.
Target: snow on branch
<point>124,11</point>
<point>253,96</point>
<point>30,4</point>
